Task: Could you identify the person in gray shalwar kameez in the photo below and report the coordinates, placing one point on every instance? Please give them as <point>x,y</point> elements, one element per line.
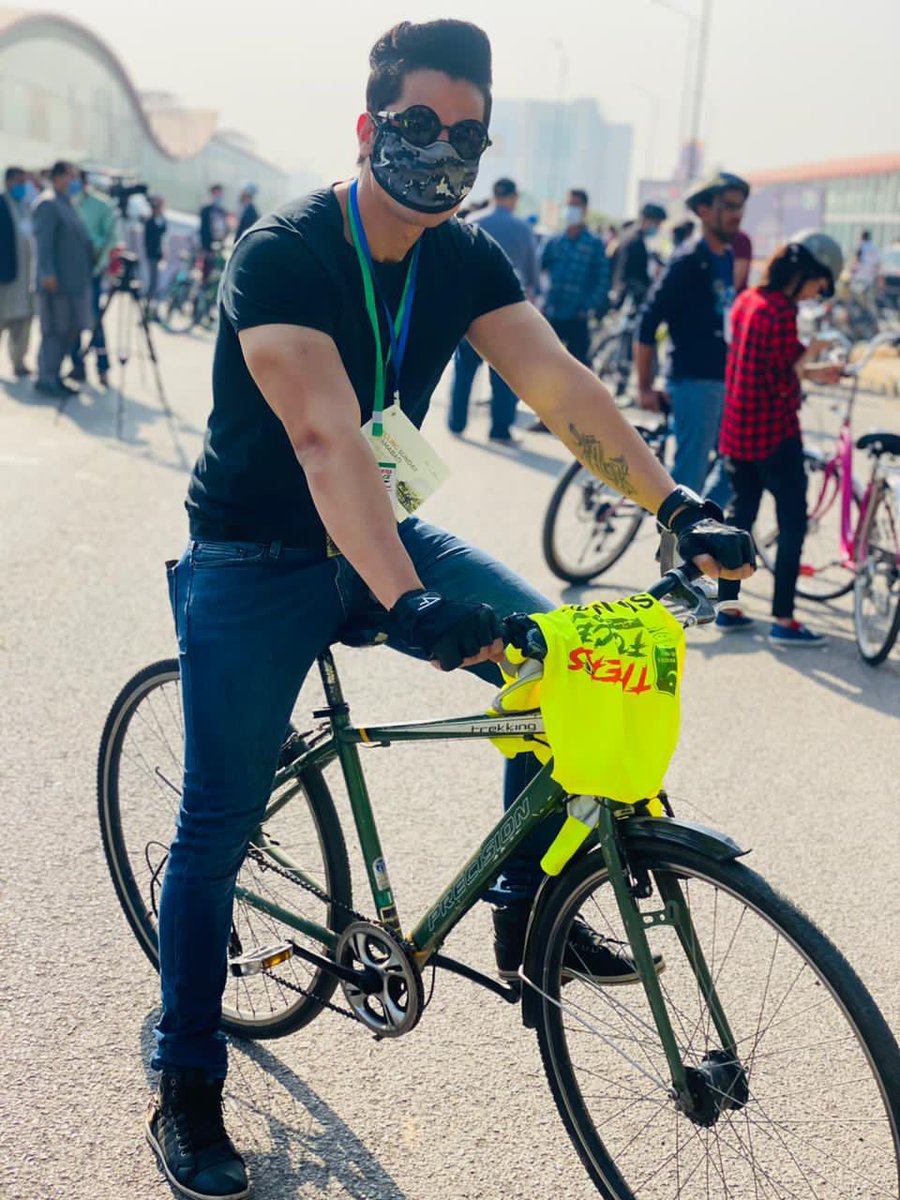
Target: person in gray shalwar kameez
<point>64,268</point>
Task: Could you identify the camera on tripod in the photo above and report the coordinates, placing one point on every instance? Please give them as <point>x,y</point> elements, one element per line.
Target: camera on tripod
<point>122,193</point>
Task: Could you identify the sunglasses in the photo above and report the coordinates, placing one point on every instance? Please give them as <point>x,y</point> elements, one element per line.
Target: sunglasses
<point>734,206</point>
<point>421,126</point>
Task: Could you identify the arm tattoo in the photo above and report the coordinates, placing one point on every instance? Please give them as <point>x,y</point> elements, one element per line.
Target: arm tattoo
<point>615,471</point>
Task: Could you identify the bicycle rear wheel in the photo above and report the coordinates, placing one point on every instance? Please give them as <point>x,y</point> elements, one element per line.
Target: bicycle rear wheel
<point>588,526</point>
<point>876,595</point>
<point>823,1070</point>
<point>823,573</point>
<point>139,775</point>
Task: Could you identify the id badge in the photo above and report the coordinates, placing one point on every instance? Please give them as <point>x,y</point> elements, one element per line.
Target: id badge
<point>411,469</point>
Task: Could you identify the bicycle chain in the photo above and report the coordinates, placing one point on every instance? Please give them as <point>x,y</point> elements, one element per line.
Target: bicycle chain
<point>266,864</point>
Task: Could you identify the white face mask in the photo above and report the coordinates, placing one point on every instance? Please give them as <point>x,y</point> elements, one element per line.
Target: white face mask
<point>573,214</point>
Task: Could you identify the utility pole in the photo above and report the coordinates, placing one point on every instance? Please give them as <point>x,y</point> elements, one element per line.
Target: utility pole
<point>699,80</point>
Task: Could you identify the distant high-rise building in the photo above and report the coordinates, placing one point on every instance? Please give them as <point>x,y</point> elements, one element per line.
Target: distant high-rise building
<point>548,147</point>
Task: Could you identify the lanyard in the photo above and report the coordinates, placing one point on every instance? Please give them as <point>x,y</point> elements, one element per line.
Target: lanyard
<point>398,327</point>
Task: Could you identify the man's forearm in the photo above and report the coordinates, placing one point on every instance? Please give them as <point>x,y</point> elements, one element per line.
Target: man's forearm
<point>643,361</point>
<point>354,506</point>
<point>600,437</point>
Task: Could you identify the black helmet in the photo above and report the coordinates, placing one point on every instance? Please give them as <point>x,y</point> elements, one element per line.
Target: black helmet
<point>654,212</point>
<point>706,192</point>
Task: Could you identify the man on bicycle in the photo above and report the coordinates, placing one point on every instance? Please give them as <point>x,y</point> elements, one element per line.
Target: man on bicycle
<point>631,265</point>
<point>336,310</point>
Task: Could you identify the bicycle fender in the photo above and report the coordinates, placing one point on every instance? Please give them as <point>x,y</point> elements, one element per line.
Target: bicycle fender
<point>530,998</point>
<point>687,835</point>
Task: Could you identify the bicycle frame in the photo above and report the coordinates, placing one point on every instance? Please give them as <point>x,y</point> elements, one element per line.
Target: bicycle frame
<point>541,797</point>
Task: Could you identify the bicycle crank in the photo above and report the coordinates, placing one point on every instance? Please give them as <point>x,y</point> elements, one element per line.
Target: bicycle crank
<point>387,995</point>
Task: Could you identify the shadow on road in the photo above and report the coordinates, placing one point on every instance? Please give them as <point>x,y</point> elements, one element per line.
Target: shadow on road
<point>294,1144</point>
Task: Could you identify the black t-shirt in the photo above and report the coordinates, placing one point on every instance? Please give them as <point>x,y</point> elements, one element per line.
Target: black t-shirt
<point>295,267</point>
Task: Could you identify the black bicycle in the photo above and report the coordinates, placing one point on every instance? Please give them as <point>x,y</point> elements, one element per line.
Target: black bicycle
<point>589,525</point>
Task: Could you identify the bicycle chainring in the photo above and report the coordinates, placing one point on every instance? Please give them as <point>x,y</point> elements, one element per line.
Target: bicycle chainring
<point>391,1003</point>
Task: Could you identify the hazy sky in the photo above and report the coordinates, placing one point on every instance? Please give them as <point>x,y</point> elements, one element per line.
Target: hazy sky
<point>788,80</point>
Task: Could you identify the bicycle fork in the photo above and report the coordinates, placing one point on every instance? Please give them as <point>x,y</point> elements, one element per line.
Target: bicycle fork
<point>720,1081</point>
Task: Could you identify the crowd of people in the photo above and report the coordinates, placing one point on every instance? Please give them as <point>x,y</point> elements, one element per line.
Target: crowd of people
<point>735,365</point>
<point>59,237</point>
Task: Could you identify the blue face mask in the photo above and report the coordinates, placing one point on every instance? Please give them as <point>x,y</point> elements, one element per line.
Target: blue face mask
<point>18,192</point>
<point>75,187</point>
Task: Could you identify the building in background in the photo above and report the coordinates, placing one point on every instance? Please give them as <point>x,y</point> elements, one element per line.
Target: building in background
<point>65,94</point>
<point>843,197</point>
<point>548,147</point>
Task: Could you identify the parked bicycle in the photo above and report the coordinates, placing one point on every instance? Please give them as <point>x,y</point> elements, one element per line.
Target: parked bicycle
<point>192,296</point>
<point>588,525</point>
<point>853,531</point>
<point>755,1065</point>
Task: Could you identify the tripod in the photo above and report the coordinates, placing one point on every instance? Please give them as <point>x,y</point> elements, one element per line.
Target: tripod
<point>127,286</point>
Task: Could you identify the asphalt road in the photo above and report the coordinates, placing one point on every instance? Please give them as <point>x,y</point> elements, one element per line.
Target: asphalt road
<point>795,756</point>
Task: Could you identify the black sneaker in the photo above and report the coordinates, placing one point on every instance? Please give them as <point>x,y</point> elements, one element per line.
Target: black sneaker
<point>604,960</point>
<point>187,1133</point>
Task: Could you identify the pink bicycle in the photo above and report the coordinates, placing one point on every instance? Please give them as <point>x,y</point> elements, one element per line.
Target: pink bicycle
<point>853,531</point>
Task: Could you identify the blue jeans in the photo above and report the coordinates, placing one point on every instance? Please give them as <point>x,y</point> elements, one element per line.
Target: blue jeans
<point>251,619</point>
<point>697,411</point>
<point>466,362</point>
<point>98,341</point>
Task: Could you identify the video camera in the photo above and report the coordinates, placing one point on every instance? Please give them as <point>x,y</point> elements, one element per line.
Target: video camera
<point>122,193</point>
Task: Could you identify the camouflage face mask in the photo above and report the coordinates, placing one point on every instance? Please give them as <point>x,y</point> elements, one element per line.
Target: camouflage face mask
<point>427,179</point>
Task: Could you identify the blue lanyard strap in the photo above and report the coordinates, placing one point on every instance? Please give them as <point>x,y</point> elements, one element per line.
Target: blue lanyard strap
<point>398,326</point>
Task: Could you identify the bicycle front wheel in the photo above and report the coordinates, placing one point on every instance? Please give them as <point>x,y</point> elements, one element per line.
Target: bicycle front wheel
<point>823,573</point>
<point>588,526</point>
<point>139,774</point>
<point>876,597</point>
<point>821,1066</point>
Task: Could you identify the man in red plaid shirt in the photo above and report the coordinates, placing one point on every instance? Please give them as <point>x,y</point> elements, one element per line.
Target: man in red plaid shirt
<point>760,434</point>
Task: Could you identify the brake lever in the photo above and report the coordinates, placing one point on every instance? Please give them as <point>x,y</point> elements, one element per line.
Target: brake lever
<point>699,606</point>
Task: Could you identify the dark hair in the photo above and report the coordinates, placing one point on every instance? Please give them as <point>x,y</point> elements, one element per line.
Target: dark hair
<point>60,167</point>
<point>216,187</point>
<point>457,48</point>
<point>789,268</point>
<point>682,232</point>
<point>504,188</point>
<point>580,195</point>
<point>11,173</point>
<point>866,235</point>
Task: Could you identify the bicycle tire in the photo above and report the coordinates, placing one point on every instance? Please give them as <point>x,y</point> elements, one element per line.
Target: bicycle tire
<point>134,899</point>
<point>886,562</point>
<point>631,523</point>
<point>182,298</point>
<point>572,1091</point>
<point>766,537</point>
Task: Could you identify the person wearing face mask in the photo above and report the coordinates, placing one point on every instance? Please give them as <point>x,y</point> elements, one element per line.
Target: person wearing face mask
<point>99,219</point>
<point>631,266</point>
<point>213,228</point>
<point>760,438</point>
<point>65,267</point>
<point>338,316</point>
<point>16,270</point>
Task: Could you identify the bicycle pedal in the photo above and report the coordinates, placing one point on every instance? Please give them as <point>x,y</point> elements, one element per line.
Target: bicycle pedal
<point>263,959</point>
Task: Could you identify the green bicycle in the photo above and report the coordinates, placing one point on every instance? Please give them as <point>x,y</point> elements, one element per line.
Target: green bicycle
<point>755,1064</point>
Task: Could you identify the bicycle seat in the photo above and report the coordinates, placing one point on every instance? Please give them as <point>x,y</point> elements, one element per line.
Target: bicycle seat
<point>880,442</point>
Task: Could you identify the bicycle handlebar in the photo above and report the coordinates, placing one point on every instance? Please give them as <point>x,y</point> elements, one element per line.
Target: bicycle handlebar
<point>520,631</point>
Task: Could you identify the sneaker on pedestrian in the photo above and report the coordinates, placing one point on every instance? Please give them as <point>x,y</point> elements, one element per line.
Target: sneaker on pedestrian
<point>794,636</point>
<point>538,427</point>
<point>731,620</point>
<point>603,960</point>
<point>53,387</point>
<point>22,372</point>
<point>186,1131</point>
<point>103,379</point>
<point>505,439</point>
<point>77,375</point>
